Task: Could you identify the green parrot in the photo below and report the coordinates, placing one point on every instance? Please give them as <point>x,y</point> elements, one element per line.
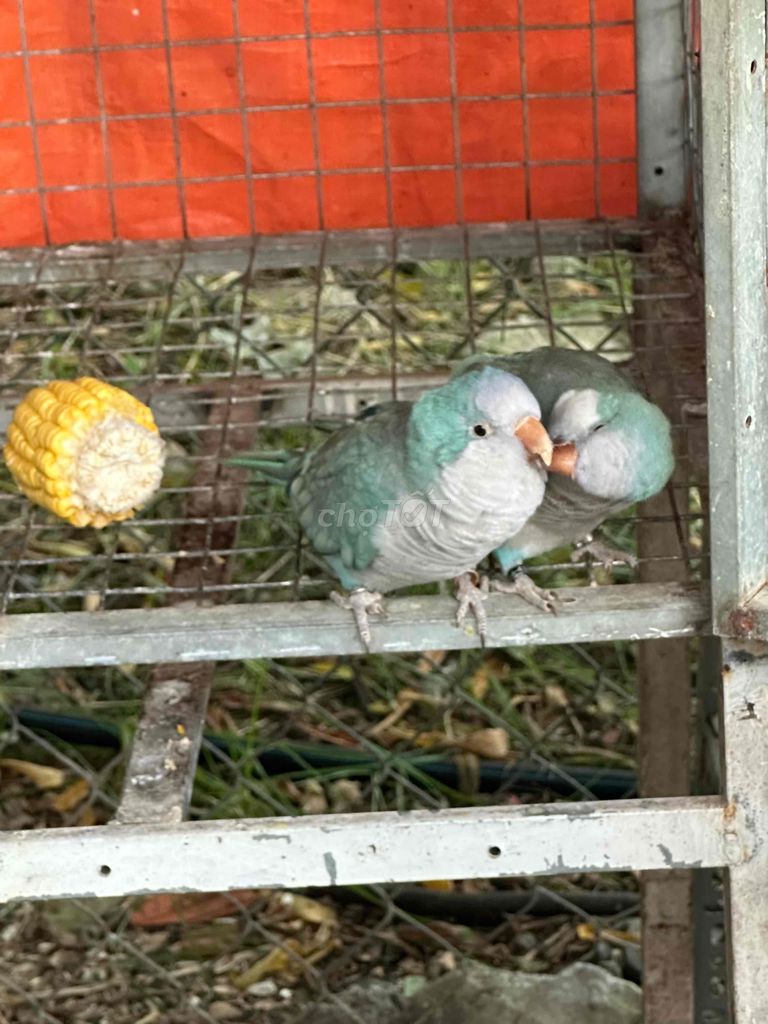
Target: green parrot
<point>612,449</point>
<point>422,491</point>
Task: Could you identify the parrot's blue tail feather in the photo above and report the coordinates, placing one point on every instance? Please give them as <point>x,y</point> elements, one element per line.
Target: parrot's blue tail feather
<point>277,467</point>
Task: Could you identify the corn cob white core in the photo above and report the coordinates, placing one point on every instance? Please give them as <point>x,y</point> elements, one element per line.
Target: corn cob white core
<point>119,465</point>
<point>85,450</point>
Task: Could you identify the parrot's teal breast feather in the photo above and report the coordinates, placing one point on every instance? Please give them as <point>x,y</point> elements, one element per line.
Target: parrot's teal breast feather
<point>351,479</point>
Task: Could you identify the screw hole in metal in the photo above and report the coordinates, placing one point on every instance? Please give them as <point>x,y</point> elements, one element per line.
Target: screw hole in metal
<point>494,851</point>
<point>753,67</point>
<point>748,421</point>
<point>105,869</point>
<point>658,171</point>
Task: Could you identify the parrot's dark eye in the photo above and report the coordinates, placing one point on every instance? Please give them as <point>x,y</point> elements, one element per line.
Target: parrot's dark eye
<point>479,430</point>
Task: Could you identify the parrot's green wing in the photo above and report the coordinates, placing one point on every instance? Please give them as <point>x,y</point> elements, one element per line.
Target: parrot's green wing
<point>549,372</point>
<point>348,484</point>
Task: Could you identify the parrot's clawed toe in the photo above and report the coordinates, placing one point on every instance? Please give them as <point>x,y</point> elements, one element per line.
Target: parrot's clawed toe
<point>361,603</point>
<point>603,554</point>
<point>522,585</point>
<point>471,593</point>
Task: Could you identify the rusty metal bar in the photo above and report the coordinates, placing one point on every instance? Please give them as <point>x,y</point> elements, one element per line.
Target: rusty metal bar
<point>161,768</point>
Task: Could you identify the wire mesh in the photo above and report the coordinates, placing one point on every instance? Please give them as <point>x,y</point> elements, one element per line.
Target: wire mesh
<point>276,358</point>
<point>269,355</point>
<point>693,110</point>
<point>460,114</point>
<point>323,736</point>
<point>114,964</point>
<point>213,356</point>
<point>184,121</point>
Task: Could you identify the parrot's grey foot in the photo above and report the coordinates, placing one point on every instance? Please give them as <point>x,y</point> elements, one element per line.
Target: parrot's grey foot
<point>522,585</point>
<point>471,593</point>
<point>361,603</point>
<point>604,554</point>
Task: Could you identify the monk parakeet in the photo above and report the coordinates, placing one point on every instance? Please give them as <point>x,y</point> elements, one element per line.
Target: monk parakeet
<point>613,448</point>
<point>421,491</point>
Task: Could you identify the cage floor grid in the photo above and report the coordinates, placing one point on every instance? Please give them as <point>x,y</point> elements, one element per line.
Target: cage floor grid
<point>296,340</point>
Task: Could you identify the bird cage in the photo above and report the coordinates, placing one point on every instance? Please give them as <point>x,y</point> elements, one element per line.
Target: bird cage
<point>261,218</point>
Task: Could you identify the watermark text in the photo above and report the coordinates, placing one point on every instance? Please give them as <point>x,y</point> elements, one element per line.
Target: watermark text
<point>413,511</point>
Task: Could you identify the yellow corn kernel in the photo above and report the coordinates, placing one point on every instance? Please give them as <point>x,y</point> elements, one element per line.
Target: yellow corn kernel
<point>85,450</point>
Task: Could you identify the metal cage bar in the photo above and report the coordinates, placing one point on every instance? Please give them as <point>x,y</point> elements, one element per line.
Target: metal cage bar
<point>745,704</point>
<point>353,849</point>
<point>661,109</point>
<point>735,221</point>
<point>663,672</point>
<point>312,628</point>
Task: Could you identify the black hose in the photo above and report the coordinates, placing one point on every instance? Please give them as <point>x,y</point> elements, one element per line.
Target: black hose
<point>84,732</point>
<point>281,759</point>
<point>483,909</point>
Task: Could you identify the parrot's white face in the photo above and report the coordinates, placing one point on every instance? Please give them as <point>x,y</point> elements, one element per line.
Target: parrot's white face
<point>604,455</point>
<point>615,445</point>
<point>506,408</point>
<point>575,416</point>
<point>503,401</point>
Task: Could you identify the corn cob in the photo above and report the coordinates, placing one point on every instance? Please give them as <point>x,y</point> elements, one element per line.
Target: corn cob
<point>85,450</point>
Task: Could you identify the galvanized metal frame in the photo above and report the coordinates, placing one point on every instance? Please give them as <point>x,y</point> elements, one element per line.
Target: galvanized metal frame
<point>735,237</point>
<point>317,628</point>
<point>544,839</point>
<point>745,735</point>
<point>735,232</point>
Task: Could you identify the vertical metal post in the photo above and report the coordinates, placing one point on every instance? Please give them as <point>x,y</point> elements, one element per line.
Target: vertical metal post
<point>734,150</point>
<point>663,666</point>
<point>661,115</point>
<point>745,703</point>
<point>734,154</point>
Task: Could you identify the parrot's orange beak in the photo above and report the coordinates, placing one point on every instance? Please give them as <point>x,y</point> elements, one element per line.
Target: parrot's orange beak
<point>535,439</point>
<point>564,459</point>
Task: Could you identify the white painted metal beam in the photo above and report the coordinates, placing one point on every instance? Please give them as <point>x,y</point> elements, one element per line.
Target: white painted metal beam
<point>318,628</point>
<point>349,849</point>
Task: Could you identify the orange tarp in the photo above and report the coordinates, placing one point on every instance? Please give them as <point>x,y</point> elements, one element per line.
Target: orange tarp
<point>156,119</point>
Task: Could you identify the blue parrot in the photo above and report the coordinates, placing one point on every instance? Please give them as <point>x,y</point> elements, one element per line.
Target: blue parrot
<point>421,491</point>
<point>612,449</point>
